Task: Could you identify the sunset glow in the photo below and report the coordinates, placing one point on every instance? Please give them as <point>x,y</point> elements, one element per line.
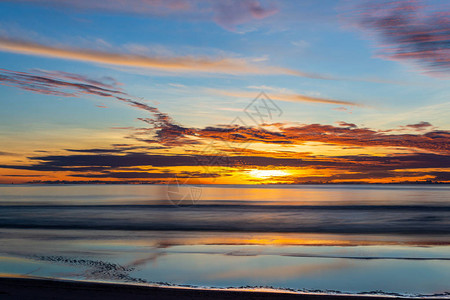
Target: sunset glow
<point>267,173</point>
<point>225,149</point>
<point>223,95</point>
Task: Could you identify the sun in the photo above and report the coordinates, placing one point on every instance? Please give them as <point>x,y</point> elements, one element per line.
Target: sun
<point>267,173</point>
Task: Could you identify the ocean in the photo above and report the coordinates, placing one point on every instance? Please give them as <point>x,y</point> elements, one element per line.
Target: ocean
<point>383,239</point>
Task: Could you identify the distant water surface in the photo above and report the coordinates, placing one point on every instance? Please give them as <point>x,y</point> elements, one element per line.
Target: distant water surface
<point>218,194</point>
<point>355,238</point>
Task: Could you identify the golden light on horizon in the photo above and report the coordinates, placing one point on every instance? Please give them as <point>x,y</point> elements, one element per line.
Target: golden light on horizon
<point>267,173</point>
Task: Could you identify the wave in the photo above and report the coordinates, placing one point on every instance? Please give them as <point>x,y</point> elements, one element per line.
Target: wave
<point>248,206</point>
<point>370,219</point>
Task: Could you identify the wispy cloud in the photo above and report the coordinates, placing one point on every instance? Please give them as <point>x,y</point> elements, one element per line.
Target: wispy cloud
<point>59,83</point>
<point>228,13</point>
<point>289,97</point>
<point>74,85</point>
<point>221,65</point>
<point>231,13</point>
<point>305,98</point>
<point>162,129</point>
<point>409,30</point>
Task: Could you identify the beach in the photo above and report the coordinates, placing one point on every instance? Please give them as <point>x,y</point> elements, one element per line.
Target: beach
<point>27,288</point>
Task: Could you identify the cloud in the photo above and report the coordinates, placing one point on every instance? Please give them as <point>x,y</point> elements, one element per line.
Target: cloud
<point>286,134</point>
<point>304,98</point>
<point>409,31</point>
<point>106,162</point>
<point>383,174</point>
<point>230,13</point>
<point>101,151</point>
<point>148,175</point>
<point>353,167</point>
<point>133,6</point>
<point>164,131</point>
<point>419,126</point>
<point>221,65</point>
<point>345,124</point>
<point>56,83</point>
<point>432,141</point>
<point>118,148</point>
<point>17,175</point>
<point>3,153</point>
<point>226,13</point>
<point>104,82</point>
<point>341,108</point>
<point>288,97</point>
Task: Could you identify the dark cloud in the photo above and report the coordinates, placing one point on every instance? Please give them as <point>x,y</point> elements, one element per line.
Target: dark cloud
<point>49,168</point>
<point>127,181</point>
<point>96,150</point>
<point>441,176</point>
<point>118,148</point>
<point>3,153</point>
<point>345,124</point>
<point>410,31</point>
<point>110,162</point>
<point>148,175</point>
<point>24,175</point>
<point>376,174</point>
<point>55,83</point>
<point>105,82</point>
<point>127,168</point>
<point>419,126</point>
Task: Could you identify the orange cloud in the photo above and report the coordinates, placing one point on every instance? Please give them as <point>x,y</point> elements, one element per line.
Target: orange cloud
<point>286,97</point>
<point>130,163</point>
<point>434,141</point>
<point>227,65</point>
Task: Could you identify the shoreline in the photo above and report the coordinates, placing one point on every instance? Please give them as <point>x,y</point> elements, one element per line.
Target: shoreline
<point>46,288</point>
<point>419,183</point>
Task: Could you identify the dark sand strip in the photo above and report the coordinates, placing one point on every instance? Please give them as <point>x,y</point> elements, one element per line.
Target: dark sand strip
<point>27,288</point>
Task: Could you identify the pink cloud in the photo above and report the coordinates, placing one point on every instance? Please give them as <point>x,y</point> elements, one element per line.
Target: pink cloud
<point>230,13</point>
<point>226,13</point>
<point>409,31</point>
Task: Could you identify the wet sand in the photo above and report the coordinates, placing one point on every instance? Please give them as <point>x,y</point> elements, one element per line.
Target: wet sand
<point>30,288</point>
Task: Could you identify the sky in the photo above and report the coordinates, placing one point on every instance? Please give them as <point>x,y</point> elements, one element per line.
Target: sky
<point>224,92</point>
